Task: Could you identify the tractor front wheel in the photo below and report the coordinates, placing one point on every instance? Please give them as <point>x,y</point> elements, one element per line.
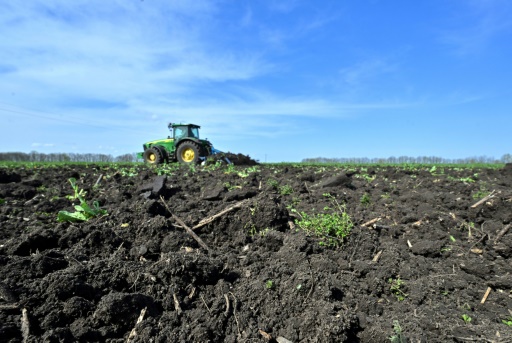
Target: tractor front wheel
<point>153,155</point>
<point>188,152</point>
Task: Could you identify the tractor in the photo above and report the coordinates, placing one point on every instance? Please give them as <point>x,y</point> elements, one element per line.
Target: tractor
<point>184,146</point>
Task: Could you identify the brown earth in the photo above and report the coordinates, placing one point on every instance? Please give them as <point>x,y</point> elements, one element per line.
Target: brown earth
<point>424,265</point>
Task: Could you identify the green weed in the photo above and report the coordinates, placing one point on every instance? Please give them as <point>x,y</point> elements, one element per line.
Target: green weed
<point>273,183</point>
<point>398,337</point>
<point>242,173</point>
<point>230,187</point>
<point>396,287</point>
<point>213,166</point>
<point>128,172</point>
<point>167,168</point>
<point>367,177</point>
<point>331,228</point>
<point>78,193</point>
<point>365,199</point>
<point>253,169</point>
<point>269,284</point>
<point>41,188</point>
<point>230,169</point>
<point>481,193</point>
<point>285,190</point>
<point>466,318</point>
<point>507,321</point>
<point>83,211</point>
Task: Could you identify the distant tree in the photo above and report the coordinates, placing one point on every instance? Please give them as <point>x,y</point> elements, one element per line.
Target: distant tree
<point>507,158</point>
<point>125,158</point>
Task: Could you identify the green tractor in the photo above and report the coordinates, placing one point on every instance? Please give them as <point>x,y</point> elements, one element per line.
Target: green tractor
<point>184,146</point>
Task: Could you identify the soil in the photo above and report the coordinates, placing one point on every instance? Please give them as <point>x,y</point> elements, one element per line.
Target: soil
<point>139,275</point>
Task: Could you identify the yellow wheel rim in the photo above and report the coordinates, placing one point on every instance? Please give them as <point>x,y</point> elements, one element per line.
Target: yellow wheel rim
<point>188,155</point>
<point>152,158</point>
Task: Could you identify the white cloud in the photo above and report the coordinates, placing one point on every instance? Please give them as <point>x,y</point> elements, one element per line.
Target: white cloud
<point>366,70</point>
<point>92,72</point>
<point>116,51</point>
<point>46,145</point>
<point>475,27</point>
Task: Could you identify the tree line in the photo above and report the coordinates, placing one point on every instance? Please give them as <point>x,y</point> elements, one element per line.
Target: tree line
<point>507,158</point>
<point>35,156</point>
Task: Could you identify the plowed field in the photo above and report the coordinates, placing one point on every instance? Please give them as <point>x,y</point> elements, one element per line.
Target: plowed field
<point>429,267</point>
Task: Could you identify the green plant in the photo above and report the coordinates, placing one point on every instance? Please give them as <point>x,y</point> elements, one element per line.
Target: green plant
<point>507,321</point>
<point>230,187</point>
<point>385,196</point>
<point>83,211</point>
<point>251,229</point>
<point>269,284</point>
<point>264,232</point>
<point>212,166</point>
<point>445,249</point>
<point>243,173</point>
<point>365,176</point>
<point>481,193</point>
<point>396,287</point>
<point>128,172</point>
<point>230,169</point>
<point>192,168</point>
<point>398,337</point>
<point>41,188</point>
<point>285,190</point>
<point>78,193</point>
<point>167,169</point>
<point>466,318</point>
<point>273,183</point>
<point>466,307</point>
<point>2,201</point>
<point>331,228</point>
<point>365,199</point>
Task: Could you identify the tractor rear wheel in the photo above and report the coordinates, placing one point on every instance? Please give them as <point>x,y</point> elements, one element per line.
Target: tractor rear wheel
<point>153,155</point>
<point>188,152</point>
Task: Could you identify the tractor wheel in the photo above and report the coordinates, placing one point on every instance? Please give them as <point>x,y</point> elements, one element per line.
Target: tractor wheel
<point>188,152</point>
<point>153,155</point>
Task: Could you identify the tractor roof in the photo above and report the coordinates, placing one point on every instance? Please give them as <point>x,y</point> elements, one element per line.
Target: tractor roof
<point>191,125</point>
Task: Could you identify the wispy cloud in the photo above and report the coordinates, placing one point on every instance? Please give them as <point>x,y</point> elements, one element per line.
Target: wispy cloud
<point>366,70</point>
<point>116,51</point>
<point>474,29</point>
<point>137,57</point>
<point>45,145</point>
<point>123,68</point>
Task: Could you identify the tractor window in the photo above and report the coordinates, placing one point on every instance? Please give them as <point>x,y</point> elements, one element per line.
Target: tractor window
<point>179,132</point>
<point>185,131</point>
<point>194,132</point>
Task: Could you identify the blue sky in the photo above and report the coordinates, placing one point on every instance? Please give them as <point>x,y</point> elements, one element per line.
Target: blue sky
<point>279,80</point>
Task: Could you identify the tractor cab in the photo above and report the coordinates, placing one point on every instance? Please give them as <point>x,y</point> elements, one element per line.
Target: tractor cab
<point>181,131</point>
